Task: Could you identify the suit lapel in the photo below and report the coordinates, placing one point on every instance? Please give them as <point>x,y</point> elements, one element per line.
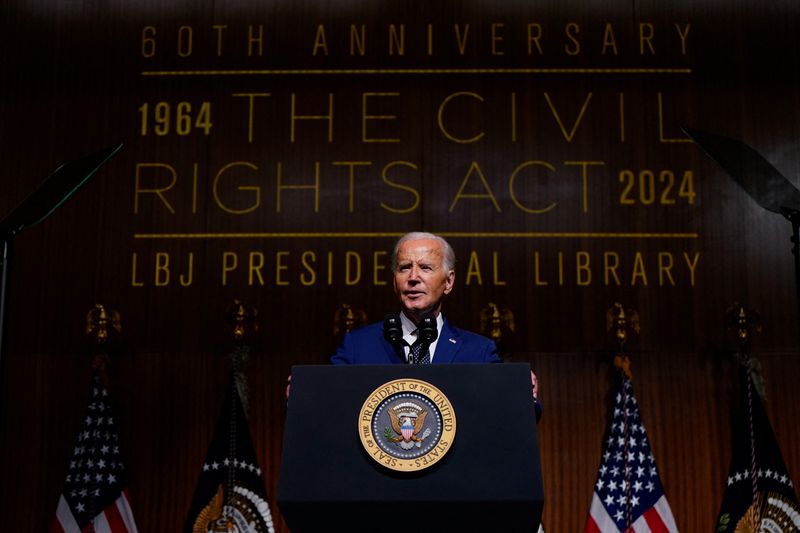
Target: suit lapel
<point>447,346</point>
<point>391,354</point>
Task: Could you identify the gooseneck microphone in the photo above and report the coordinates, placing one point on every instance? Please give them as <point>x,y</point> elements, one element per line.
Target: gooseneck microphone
<point>392,329</point>
<point>393,334</point>
<point>427,331</point>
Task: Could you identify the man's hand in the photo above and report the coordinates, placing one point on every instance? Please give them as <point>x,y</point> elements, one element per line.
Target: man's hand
<point>537,405</point>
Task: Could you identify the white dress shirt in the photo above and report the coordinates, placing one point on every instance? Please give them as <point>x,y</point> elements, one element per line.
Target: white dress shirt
<point>410,333</point>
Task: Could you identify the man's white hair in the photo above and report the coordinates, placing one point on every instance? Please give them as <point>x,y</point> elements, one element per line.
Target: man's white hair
<point>449,262</point>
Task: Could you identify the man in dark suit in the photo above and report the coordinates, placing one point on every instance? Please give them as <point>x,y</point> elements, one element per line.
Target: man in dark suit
<point>423,271</point>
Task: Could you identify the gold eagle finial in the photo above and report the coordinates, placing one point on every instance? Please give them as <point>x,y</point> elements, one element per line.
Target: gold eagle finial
<point>744,322</point>
<point>620,322</point>
<point>102,324</point>
<point>243,319</point>
<point>494,321</point>
<point>347,318</point>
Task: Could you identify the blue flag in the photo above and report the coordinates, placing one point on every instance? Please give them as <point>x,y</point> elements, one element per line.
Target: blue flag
<point>230,495</point>
<point>759,495</point>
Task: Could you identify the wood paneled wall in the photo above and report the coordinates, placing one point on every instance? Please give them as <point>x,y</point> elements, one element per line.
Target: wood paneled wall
<point>541,138</point>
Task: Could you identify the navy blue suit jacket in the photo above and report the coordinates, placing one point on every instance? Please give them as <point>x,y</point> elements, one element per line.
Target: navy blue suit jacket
<point>366,346</point>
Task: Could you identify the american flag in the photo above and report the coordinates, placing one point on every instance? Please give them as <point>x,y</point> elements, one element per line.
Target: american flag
<point>628,496</point>
<point>95,497</point>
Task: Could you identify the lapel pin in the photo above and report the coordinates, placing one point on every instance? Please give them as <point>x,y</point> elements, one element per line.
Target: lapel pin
<point>452,340</point>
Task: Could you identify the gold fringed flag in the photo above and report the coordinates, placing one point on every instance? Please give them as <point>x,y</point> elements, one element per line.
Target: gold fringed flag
<point>759,495</point>
<point>95,496</point>
<point>230,495</point>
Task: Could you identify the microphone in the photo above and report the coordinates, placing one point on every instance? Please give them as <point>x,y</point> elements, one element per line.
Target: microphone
<point>427,332</point>
<point>393,330</point>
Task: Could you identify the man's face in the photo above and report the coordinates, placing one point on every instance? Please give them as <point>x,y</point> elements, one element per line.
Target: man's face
<point>420,280</point>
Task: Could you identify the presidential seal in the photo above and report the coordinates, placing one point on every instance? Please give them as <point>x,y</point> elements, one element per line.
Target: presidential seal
<point>407,425</point>
<point>778,514</point>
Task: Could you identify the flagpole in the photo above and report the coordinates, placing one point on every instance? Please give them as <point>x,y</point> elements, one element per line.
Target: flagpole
<point>618,503</point>
<point>746,320</point>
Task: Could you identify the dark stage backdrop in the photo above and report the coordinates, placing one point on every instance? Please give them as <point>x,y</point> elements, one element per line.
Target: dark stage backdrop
<point>273,151</point>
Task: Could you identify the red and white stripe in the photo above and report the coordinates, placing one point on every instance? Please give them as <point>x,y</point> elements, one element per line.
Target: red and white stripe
<point>657,519</point>
<point>117,518</point>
